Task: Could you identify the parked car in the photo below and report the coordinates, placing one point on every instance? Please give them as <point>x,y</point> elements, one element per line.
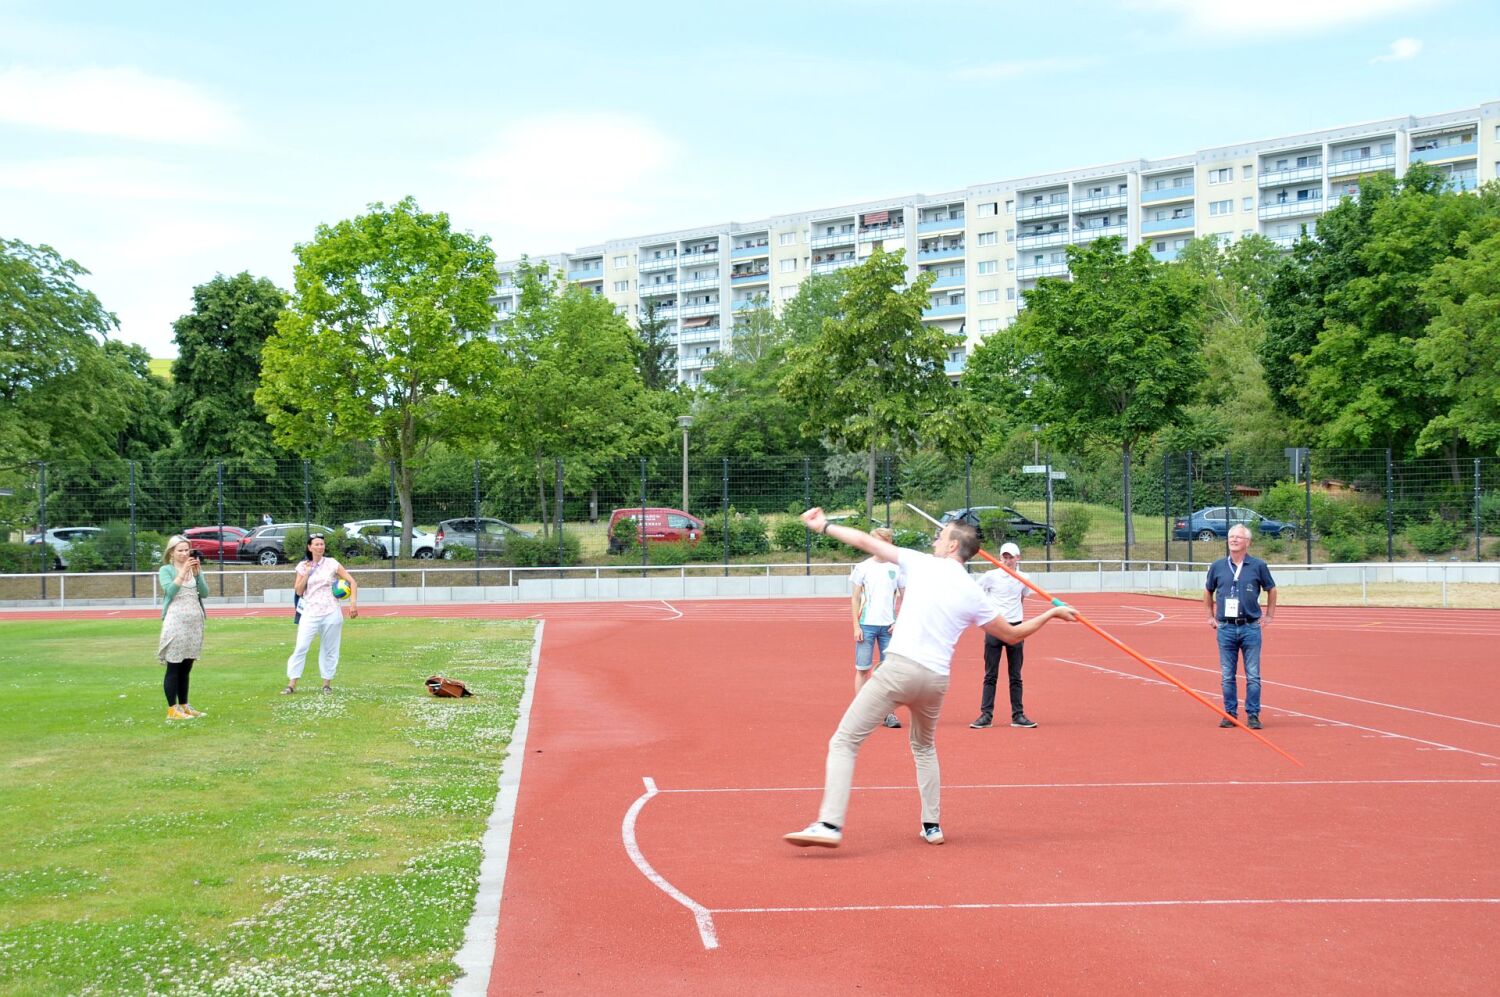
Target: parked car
<point>210,541</point>
<point>1213,523</point>
<point>60,538</point>
<point>484,535</point>
<point>656,524</point>
<point>267,544</point>
<point>1016,525</point>
<point>387,533</point>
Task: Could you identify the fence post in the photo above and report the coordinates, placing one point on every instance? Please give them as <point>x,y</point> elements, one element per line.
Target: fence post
<point>132,529</point>
<point>41,515</point>
<point>1307,503</point>
<point>1478,554</point>
<point>1390,498</point>
<point>219,505</point>
<point>888,493</point>
<point>557,516</point>
<point>806,504</point>
<point>640,526</point>
<point>968,476</point>
<point>478,526</point>
<point>1227,506</point>
<point>390,514</point>
<point>1191,501</point>
<point>1045,542</point>
<point>727,538</point>
<point>1166,508</point>
<point>306,498</point>
<point>1125,500</point>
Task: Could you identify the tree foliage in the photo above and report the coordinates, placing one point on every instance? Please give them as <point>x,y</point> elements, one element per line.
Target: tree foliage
<point>385,339</point>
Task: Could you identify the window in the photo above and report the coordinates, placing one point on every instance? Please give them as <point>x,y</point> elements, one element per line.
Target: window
<point>988,238</point>
<point>989,297</point>
<point>1010,235</point>
<point>1247,204</point>
<point>621,262</point>
<point>989,266</point>
<point>788,291</point>
<point>1220,207</point>
<point>1246,172</point>
<point>988,325</point>
<point>787,239</point>
<point>622,285</point>
<point>1221,176</point>
<point>1160,247</point>
<point>988,209</point>
<point>1010,263</point>
<point>789,265</point>
<point>1179,243</point>
<point>1010,206</point>
<point>1010,294</point>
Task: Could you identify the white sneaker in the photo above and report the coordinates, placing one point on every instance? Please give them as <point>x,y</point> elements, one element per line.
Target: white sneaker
<point>816,833</point>
<point>932,835</point>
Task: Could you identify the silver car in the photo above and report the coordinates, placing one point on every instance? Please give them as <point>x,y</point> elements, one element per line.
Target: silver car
<point>387,533</point>
<point>484,535</point>
<point>60,538</point>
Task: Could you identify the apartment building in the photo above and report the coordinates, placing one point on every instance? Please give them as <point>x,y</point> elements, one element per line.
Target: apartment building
<point>988,244</point>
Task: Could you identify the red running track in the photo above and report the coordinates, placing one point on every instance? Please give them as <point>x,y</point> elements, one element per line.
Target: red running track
<point>1126,844</point>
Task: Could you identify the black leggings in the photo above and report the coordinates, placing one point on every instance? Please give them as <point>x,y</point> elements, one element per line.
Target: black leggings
<point>175,685</point>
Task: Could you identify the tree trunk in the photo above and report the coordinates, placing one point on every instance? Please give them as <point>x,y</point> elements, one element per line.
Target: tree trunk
<point>870,484</point>
<point>541,493</point>
<point>403,498</point>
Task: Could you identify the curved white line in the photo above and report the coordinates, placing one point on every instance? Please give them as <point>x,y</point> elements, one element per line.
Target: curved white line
<point>1142,609</point>
<point>701,914</point>
<point>673,609</point>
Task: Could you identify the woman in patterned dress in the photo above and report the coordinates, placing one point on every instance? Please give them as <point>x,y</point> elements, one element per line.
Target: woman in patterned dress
<point>181,643</point>
<point>321,616</point>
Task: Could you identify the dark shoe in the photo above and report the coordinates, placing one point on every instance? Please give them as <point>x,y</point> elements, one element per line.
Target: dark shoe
<point>1226,722</point>
<point>1022,720</point>
<point>289,690</point>
<point>893,721</point>
<point>326,690</point>
<point>984,721</point>
<point>1254,721</point>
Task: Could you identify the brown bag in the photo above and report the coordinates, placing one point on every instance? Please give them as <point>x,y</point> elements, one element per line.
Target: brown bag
<point>447,688</point>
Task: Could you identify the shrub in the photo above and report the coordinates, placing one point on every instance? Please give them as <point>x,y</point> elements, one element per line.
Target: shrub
<point>1073,524</point>
<point>338,545</point>
<point>747,535</point>
<point>540,552</point>
<point>85,555</point>
<point>114,548</point>
<point>915,539</point>
<point>625,532</point>
<point>22,559</point>
<point>1347,548</point>
<point>1489,512</point>
<point>458,552</point>
<point>1436,536</point>
<point>680,553</point>
<point>790,534</point>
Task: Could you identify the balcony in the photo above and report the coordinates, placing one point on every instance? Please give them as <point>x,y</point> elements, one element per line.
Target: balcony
<point>755,277</point>
<point>829,266</point>
<point>657,290</point>
<point>1182,224</point>
<point>664,263</point>
<point>1360,165</point>
<point>745,304</point>
<point>1286,209</point>
<point>1062,237</point>
<point>942,282</point>
<point>1459,150</point>
<point>1036,270</point>
<point>881,232</point>
<point>941,225</point>
<point>1461,180</point>
<point>689,259</point>
<point>1165,255</point>
<point>1047,209</point>
<point>1183,193</point>
<point>947,253</point>
<point>698,283</point>
<point>1297,174</point>
<point>592,271</point>
<point>944,311</point>
<point>750,252</point>
<point>702,334</point>
<point>953,368</point>
<point>1103,202</point>
<point>841,239</point>
<point>1284,241</point>
<point>1090,233</point>
<point>691,311</point>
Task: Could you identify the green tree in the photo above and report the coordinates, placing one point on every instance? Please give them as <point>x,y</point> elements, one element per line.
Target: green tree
<point>1461,349</point>
<point>1118,350</point>
<point>654,351</point>
<point>873,376</point>
<point>569,388</point>
<point>999,379</point>
<point>385,339</point>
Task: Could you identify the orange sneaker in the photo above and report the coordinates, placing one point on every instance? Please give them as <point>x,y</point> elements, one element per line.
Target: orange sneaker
<point>173,713</point>
<point>190,712</point>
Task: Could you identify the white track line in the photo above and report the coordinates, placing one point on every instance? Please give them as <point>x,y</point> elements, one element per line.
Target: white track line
<point>1165,784</point>
<point>701,914</point>
<point>476,958</point>
<point>1294,713</point>
<point>1142,609</point>
<point>1086,904</point>
<point>1338,695</point>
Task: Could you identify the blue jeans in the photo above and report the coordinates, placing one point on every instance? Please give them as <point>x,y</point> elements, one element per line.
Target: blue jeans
<point>1234,640</point>
<point>864,650</point>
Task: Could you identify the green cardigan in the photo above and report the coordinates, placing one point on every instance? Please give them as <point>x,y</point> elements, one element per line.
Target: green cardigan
<point>169,587</point>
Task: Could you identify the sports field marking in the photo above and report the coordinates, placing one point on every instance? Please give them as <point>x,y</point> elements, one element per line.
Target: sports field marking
<point>1293,713</point>
<point>1339,695</point>
<point>676,613</point>
<point>1085,904</point>
<point>1159,784</point>
<point>1155,612</point>
<point>701,914</point>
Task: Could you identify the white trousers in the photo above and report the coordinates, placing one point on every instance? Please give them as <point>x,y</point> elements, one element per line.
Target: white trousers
<point>331,629</point>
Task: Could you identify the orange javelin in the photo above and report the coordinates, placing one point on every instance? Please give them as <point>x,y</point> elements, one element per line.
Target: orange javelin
<point>1117,643</point>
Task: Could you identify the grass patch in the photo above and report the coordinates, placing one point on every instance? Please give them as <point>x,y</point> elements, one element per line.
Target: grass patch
<point>280,845</point>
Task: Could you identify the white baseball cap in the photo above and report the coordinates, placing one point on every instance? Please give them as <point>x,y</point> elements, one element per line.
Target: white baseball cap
<point>1010,549</point>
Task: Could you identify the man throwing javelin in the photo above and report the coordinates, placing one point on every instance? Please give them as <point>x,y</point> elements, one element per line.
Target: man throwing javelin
<point>941,600</point>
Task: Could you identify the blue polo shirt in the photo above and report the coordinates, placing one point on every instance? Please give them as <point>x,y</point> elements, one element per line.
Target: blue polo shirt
<point>1255,578</point>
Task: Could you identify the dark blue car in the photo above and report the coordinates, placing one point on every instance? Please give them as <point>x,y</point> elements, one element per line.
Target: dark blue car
<point>1213,523</point>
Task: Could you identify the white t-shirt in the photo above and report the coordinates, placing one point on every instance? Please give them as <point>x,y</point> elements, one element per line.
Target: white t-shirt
<point>1006,593</point>
<point>940,603</point>
<point>881,580</point>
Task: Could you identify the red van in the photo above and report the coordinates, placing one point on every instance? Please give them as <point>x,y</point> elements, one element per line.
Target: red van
<point>657,524</point>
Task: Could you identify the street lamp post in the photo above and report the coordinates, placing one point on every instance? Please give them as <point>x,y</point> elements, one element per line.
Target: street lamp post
<point>686,422</point>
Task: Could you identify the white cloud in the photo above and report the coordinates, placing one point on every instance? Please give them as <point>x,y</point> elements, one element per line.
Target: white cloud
<point>121,101</point>
<point>109,179</point>
<point>1275,16</point>
<point>1016,68</point>
<point>1401,50</point>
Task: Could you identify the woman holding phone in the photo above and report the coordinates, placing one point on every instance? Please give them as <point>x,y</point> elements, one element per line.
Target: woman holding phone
<point>182,616</point>
<point>321,616</point>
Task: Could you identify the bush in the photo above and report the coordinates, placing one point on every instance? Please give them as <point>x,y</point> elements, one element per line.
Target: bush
<point>114,548</point>
<point>1351,515</point>
<point>747,535</point>
<point>624,533</point>
<point>790,534</point>
<point>1489,512</point>
<point>85,555</point>
<point>915,539</point>
<point>680,553</point>
<point>1436,536</point>
<point>1348,548</point>
<point>22,559</point>
<point>458,552</point>
<point>1073,524</point>
<point>539,552</point>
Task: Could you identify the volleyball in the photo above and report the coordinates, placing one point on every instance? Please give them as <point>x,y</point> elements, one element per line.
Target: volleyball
<point>340,589</point>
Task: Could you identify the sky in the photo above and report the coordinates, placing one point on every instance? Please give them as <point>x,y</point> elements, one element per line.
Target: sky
<point>161,143</point>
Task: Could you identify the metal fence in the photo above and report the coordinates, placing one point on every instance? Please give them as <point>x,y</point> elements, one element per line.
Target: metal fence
<point>1314,506</point>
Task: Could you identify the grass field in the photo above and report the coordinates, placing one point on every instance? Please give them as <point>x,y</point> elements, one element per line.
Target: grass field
<point>280,845</point>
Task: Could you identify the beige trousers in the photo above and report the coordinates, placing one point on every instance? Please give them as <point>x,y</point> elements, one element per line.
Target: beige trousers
<point>899,681</point>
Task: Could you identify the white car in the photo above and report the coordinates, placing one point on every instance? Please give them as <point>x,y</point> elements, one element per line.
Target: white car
<point>60,538</point>
<point>387,533</point>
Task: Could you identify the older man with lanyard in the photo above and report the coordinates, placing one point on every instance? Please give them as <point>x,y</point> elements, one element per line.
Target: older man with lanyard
<point>1232,597</point>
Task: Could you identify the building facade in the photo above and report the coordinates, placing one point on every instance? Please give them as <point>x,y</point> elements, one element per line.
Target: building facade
<point>989,243</point>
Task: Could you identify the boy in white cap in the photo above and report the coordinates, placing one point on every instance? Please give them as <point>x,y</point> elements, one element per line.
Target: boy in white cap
<point>1006,593</point>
